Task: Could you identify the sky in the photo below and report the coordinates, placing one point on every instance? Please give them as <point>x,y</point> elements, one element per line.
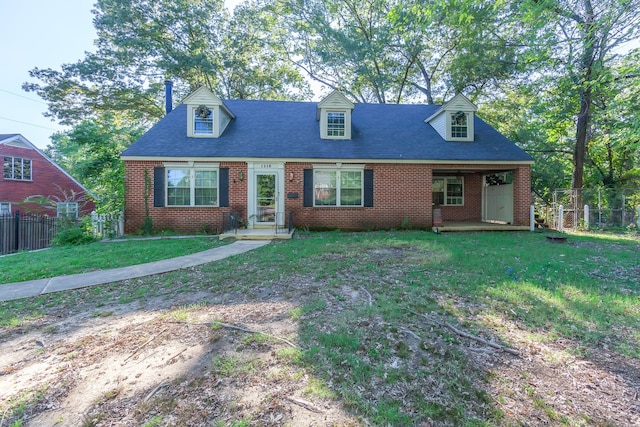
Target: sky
<point>43,34</point>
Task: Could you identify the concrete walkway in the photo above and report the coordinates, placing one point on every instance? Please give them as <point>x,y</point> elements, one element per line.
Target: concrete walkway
<point>11,291</point>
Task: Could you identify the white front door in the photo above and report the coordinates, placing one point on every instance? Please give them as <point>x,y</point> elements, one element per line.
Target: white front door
<point>498,203</point>
<point>266,186</point>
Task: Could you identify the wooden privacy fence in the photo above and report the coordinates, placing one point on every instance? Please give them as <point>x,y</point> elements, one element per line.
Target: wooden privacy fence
<point>26,232</point>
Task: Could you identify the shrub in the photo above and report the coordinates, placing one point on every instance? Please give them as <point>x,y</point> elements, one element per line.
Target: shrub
<point>74,233</point>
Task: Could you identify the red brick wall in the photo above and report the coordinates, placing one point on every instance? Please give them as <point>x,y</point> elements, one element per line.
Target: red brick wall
<point>402,196</point>
<point>521,195</point>
<point>179,219</point>
<point>47,180</point>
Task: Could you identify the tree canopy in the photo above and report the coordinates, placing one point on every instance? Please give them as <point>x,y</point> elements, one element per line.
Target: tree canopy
<point>550,74</point>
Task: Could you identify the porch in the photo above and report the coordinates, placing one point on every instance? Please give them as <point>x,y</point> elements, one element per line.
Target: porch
<point>478,226</point>
<point>257,234</point>
<point>231,228</point>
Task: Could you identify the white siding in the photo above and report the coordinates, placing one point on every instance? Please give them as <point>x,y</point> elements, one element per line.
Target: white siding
<point>439,123</point>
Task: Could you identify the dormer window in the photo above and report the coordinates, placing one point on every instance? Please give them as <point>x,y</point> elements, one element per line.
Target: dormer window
<point>207,115</point>
<point>454,120</point>
<point>335,124</point>
<point>334,114</point>
<point>459,125</point>
<point>203,121</point>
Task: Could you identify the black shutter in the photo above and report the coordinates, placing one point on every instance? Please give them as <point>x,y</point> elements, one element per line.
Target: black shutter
<point>368,188</point>
<point>158,187</point>
<point>223,182</point>
<point>307,199</point>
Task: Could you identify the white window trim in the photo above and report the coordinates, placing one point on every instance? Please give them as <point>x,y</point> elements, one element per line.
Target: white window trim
<point>5,208</point>
<point>445,189</point>
<point>191,167</point>
<point>215,115</point>
<point>66,209</point>
<point>324,123</point>
<point>22,159</point>
<point>470,128</point>
<point>338,168</point>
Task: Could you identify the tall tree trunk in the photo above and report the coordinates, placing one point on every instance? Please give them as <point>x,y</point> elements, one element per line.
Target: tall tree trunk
<point>589,40</point>
<point>580,149</point>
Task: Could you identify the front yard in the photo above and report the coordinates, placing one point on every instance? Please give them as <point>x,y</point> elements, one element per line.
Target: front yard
<point>382,328</point>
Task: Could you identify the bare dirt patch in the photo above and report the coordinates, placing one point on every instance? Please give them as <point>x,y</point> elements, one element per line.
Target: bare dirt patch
<point>115,366</point>
<point>183,359</point>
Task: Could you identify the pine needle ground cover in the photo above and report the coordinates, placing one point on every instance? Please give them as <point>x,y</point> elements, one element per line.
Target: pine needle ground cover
<point>382,328</point>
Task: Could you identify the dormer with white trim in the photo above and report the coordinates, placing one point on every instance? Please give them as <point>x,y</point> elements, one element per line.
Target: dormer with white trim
<point>334,114</point>
<point>207,115</point>
<point>454,120</point>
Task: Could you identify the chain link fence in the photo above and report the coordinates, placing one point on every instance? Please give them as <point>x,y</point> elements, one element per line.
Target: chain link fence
<point>601,208</point>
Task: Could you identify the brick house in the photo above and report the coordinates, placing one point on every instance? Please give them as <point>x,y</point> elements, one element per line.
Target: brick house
<point>333,164</point>
<point>28,174</point>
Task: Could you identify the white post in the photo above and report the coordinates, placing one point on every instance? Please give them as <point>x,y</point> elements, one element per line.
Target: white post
<point>638,217</point>
<point>532,218</point>
<point>94,223</point>
<point>560,218</point>
<point>586,217</point>
<point>120,232</point>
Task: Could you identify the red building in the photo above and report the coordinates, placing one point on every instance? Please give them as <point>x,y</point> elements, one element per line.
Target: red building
<point>32,183</point>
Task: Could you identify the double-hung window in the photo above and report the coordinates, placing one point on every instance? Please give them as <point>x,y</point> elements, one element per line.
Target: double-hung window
<point>338,187</point>
<point>448,191</point>
<point>335,124</point>
<point>5,209</point>
<point>17,168</point>
<point>459,128</point>
<point>68,209</point>
<point>203,121</point>
<point>192,187</point>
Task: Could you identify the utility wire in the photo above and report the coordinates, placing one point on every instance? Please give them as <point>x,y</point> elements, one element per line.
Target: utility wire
<point>22,96</point>
<point>29,124</point>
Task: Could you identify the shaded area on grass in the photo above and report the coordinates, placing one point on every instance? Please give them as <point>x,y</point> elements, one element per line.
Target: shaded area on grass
<point>370,312</point>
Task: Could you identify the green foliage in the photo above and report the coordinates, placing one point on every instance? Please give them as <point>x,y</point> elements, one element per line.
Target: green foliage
<point>397,51</point>
<point>91,153</point>
<point>195,43</point>
<point>575,48</point>
<point>147,226</point>
<point>72,233</point>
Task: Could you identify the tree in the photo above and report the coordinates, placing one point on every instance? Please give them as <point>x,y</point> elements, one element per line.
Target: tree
<point>194,42</point>
<point>579,39</point>
<point>91,153</point>
<point>530,116</point>
<point>394,51</point>
<point>614,147</point>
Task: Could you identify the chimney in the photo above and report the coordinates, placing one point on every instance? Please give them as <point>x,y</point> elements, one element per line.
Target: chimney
<point>168,99</point>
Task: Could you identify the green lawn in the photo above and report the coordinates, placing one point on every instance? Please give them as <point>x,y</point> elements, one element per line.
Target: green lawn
<point>390,355</point>
<point>63,260</point>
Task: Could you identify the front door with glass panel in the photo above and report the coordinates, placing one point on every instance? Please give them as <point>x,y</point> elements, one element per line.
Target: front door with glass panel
<point>266,198</point>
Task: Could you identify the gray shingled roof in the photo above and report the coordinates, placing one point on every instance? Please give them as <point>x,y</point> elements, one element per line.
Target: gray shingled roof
<point>281,129</point>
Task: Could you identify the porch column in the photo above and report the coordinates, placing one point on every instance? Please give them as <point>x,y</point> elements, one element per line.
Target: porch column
<point>521,194</point>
